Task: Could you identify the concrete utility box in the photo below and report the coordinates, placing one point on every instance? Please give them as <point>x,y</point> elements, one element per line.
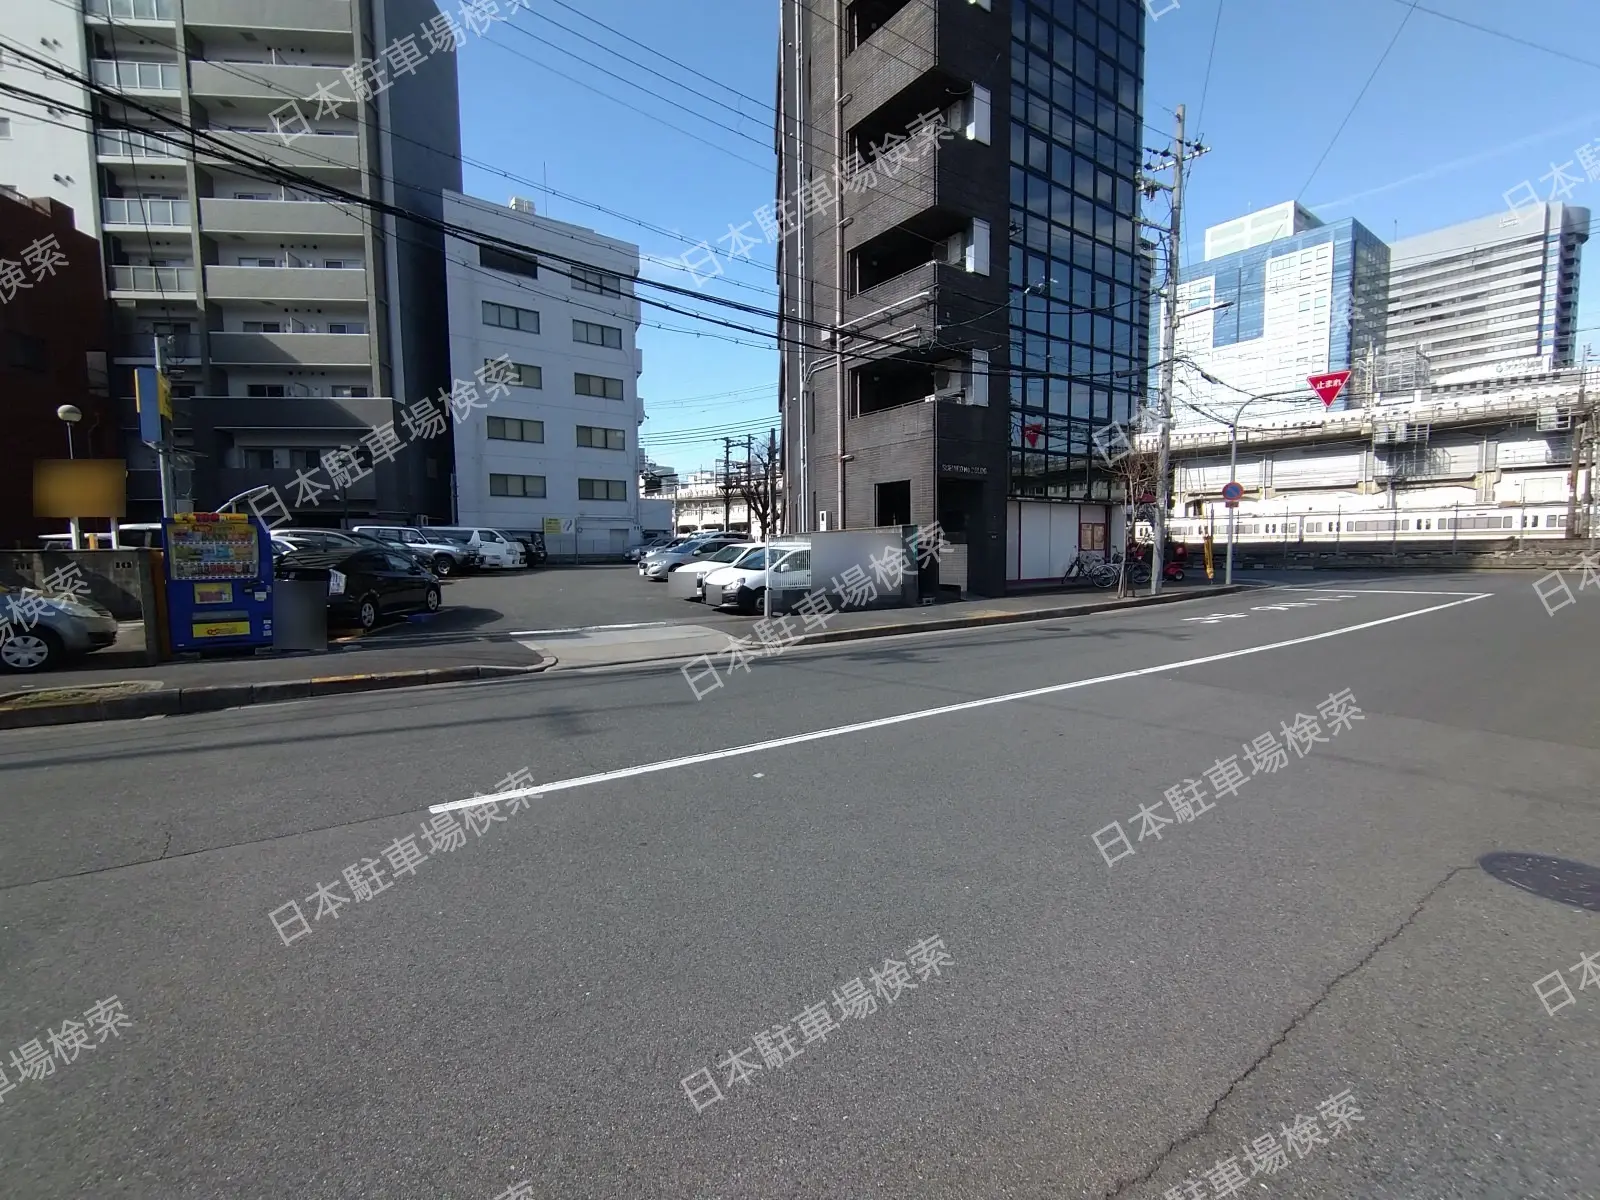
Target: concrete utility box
<point>300,614</point>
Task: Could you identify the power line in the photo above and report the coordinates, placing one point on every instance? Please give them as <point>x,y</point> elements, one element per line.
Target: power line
<point>1500,33</point>
<point>1382,58</point>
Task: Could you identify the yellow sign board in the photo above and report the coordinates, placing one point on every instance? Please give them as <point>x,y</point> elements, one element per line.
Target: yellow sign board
<point>552,525</point>
<point>223,629</point>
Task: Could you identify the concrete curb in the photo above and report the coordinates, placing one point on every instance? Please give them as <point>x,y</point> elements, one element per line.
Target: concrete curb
<point>183,701</point>
<point>1037,614</point>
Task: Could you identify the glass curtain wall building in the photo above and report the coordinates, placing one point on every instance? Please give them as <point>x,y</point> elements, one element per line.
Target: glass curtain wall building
<point>1079,323</point>
<point>987,290</point>
<point>1301,305</point>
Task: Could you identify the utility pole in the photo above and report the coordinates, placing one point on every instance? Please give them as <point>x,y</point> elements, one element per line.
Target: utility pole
<point>772,486</point>
<point>749,483</point>
<point>1181,152</point>
<point>1581,435</point>
<point>163,447</point>
<point>727,484</point>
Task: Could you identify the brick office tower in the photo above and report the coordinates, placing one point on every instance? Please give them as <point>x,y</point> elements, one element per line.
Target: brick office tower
<point>986,282</point>
<point>54,330</point>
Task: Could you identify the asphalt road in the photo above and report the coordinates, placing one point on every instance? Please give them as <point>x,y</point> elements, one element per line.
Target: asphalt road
<point>525,1007</point>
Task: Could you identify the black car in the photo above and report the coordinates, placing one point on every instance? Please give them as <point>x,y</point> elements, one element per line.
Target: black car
<point>534,548</point>
<point>331,540</point>
<point>365,584</point>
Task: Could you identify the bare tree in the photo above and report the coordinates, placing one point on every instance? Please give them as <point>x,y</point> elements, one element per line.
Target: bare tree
<point>757,484</point>
<point>1133,468</point>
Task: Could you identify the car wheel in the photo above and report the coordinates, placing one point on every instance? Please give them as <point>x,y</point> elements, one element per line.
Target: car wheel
<point>443,565</point>
<point>368,612</point>
<point>433,599</point>
<point>758,600</point>
<point>31,650</point>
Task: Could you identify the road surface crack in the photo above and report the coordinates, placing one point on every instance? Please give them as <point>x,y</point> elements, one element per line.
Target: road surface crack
<point>1122,1185</point>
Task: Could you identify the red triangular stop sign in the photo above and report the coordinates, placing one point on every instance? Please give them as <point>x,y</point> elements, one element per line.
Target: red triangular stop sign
<point>1328,386</point>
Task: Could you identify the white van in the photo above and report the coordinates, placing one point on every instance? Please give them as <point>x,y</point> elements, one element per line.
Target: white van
<point>496,549</point>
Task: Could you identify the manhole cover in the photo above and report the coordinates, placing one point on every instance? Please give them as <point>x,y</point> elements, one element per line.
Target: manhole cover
<point>42,697</point>
<point>1558,879</point>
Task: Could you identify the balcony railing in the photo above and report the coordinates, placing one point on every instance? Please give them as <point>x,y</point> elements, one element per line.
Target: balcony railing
<point>144,212</point>
<point>138,76</point>
<point>131,10</point>
<point>125,143</point>
<point>175,347</point>
<point>152,279</point>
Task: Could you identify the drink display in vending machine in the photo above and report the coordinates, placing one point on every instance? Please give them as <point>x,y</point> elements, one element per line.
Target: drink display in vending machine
<point>219,581</point>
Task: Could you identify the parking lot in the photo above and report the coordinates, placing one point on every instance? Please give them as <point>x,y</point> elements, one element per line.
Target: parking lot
<point>559,597</point>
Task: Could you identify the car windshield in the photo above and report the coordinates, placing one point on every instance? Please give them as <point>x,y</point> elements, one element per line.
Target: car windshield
<point>729,554</point>
<point>755,560</point>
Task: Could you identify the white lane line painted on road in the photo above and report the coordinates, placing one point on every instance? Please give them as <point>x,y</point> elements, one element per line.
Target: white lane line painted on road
<point>521,633</point>
<point>1385,591</point>
<point>922,714</point>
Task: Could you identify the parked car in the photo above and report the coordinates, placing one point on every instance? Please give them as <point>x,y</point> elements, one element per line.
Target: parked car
<point>743,585</point>
<point>444,555</point>
<point>729,556</point>
<point>42,632</point>
<point>365,584</point>
<point>336,539</point>
<point>492,546</point>
<point>659,565</point>
<point>650,546</point>
<point>533,545</point>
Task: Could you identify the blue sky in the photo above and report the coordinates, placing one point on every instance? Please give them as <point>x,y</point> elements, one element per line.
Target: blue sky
<point>1453,119</point>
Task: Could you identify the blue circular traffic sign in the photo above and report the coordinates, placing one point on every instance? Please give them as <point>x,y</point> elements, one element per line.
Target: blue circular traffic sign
<point>1232,491</point>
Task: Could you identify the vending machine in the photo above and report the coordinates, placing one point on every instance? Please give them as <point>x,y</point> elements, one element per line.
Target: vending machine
<point>219,581</point>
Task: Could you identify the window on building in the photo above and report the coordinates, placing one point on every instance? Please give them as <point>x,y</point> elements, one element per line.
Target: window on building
<point>526,487</point>
<point>602,489</point>
<point>504,316</point>
<point>511,429</point>
<point>601,283</point>
<point>263,326</point>
<point>262,391</point>
<point>256,262</point>
<point>520,375</point>
<point>596,335</point>
<point>338,264</point>
<point>347,327</point>
<point>348,391</point>
<point>5,127</point>
<point>597,385</point>
<point>302,458</point>
<point>257,458</point>
<point>504,260</point>
<point>596,438</point>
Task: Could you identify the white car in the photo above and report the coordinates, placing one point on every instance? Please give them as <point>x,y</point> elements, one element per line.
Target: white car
<point>728,556</point>
<point>494,547</point>
<point>743,585</point>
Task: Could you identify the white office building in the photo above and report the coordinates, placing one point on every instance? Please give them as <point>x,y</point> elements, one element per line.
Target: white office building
<point>558,452</point>
<point>1494,298</point>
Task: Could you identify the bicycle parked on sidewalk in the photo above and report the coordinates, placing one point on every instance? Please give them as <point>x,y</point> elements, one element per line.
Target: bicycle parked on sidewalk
<point>1092,568</point>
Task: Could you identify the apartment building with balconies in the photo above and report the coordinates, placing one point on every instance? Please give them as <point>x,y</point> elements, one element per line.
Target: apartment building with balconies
<point>290,324</point>
<point>985,287</point>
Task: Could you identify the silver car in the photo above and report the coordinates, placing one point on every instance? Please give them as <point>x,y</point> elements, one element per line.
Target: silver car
<point>40,632</point>
<point>659,565</point>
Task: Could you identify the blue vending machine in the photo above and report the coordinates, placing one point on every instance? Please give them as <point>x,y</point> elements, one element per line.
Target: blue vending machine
<point>219,581</point>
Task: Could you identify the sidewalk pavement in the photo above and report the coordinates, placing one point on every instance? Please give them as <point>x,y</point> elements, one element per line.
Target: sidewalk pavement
<point>116,684</point>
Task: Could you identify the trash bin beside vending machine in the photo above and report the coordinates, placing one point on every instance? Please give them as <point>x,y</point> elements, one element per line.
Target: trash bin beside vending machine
<point>219,581</point>
<point>300,609</point>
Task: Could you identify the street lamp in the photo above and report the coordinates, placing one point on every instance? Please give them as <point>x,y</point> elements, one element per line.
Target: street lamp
<point>70,415</point>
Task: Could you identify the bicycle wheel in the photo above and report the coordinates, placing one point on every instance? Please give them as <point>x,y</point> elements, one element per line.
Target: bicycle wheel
<point>1105,576</point>
<point>1138,574</point>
